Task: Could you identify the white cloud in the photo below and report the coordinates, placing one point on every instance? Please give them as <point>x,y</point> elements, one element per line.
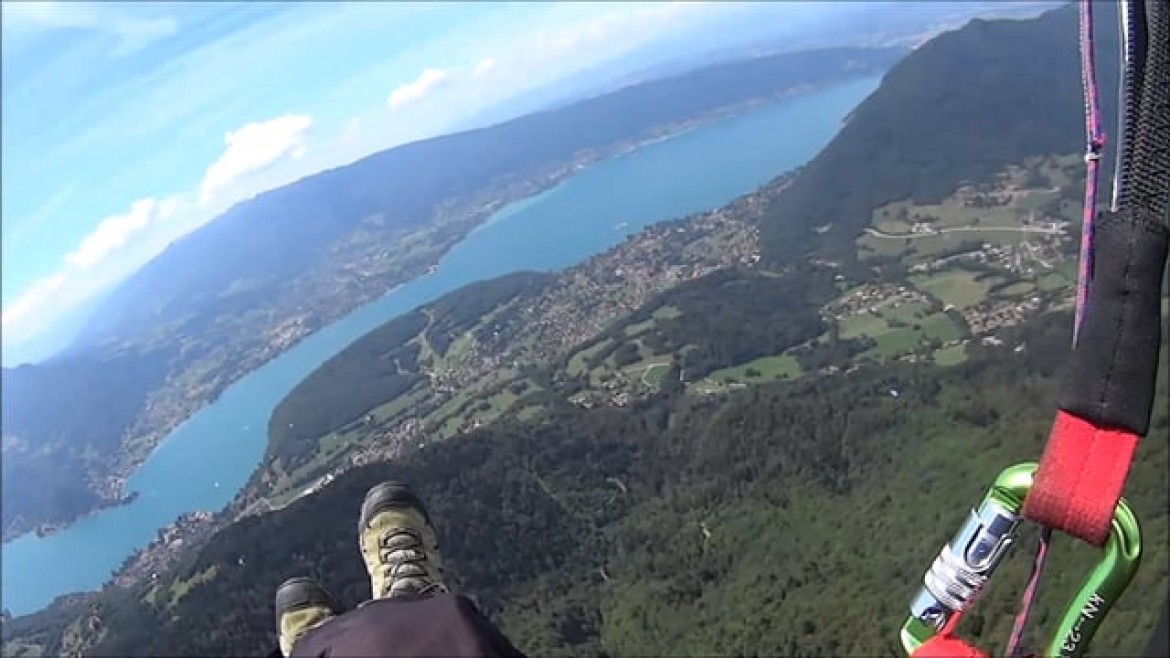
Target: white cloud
<point>253,148</point>
<point>132,30</point>
<point>18,311</point>
<point>234,73</point>
<point>115,249</point>
<point>121,243</point>
<point>485,65</point>
<point>425,83</point>
<point>37,313</point>
<point>114,232</point>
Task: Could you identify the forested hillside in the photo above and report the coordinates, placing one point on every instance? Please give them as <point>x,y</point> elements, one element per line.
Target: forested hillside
<point>240,290</point>
<point>726,317</point>
<point>81,398</point>
<point>312,213</point>
<point>787,519</point>
<point>787,514</point>
<point>383,364</point>
<point>957,109</point>
<point>918,138</point>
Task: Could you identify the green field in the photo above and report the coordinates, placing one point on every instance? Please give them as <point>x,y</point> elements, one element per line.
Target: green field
<point>576,364</point>
<point>1018,289</point>
<point>654,373</point>
<point>644,372</point>
<point>661,313</point>
<point>869,245</point>
<point>1021,202</point>
<point>899,330</point>
<point>1053,281</point>
<point>950,214</point>
<point>932,246</point>
<point>782,366</point>
<point>863,324</point>
<point>400,404</point>
<point>898,341</point>
<point>893,343</point>
<point>181,586</point>
<point>941,327</point>
<point>447,418</point>
<point>951,355</point>
<point>908,313</point>
<point>958,288</point>
<point>639,327</point>
<point>459,347</point>
<point>666,313</point>
<point>1035,200</point>
<point>487,409</point>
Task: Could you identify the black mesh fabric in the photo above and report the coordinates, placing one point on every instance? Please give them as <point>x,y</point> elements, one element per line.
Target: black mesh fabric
<point>1149,180</point>
<point>1157,151</point>
<point>1134,55</point>
<point>1111,375</point>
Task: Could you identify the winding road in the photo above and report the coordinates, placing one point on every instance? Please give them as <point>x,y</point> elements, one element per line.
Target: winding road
<point>963,229</point>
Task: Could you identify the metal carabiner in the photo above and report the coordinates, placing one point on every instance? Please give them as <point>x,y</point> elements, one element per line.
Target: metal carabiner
<point>963,566</point>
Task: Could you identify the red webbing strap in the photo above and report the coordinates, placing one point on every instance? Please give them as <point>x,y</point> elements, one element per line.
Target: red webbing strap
<point>1080,478</point>
<point>946,645</point>
<point>1083,468</point>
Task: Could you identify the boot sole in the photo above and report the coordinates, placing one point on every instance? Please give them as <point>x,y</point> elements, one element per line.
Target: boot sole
<point>302,592</point>
<point>389,495</point>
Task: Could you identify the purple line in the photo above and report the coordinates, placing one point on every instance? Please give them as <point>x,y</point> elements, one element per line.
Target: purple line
<point>1029,598</point>
<point>1095,143</point>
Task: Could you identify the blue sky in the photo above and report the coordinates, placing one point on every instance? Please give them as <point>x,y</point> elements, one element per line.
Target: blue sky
<point>127,125</point>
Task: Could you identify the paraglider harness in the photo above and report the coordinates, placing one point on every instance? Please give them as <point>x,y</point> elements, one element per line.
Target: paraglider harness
<point>1108,388</point>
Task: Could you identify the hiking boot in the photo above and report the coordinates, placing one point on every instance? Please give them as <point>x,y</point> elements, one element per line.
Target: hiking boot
<point>398,543</point>
<point>302,604</point>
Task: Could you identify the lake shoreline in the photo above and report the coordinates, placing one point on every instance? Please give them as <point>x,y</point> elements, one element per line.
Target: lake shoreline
<point>113,489</point>
<point>667,179</point>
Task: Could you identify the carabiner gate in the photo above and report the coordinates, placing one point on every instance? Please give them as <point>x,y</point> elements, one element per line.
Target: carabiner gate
<point>963,566</point>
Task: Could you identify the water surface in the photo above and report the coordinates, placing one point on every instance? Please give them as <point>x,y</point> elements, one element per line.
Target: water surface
<point>205,461</point>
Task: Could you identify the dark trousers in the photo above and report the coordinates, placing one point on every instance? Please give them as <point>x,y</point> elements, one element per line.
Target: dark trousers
<point>449,625</point>
<point>444,625</point>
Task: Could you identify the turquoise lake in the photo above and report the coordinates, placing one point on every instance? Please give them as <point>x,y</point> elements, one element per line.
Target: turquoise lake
<point>205,461</point>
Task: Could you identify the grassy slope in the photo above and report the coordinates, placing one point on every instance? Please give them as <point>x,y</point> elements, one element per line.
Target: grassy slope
<point>717,532</point>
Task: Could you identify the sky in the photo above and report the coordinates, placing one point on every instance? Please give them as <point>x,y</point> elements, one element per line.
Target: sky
<point>127,125</point>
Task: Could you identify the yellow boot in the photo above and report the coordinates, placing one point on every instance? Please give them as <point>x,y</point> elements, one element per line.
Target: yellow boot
<point>398,543</point>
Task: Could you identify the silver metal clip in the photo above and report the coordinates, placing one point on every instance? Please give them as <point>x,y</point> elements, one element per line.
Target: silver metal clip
<point>959,573</point>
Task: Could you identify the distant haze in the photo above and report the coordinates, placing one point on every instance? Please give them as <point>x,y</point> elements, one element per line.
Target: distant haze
<point>760,29</point>
<point>113,178</point>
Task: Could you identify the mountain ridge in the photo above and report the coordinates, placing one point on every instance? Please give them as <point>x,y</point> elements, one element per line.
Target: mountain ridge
<point>765,520</point>
<point>978,80</point>
<point>289,261</point>
<point>747,79</point>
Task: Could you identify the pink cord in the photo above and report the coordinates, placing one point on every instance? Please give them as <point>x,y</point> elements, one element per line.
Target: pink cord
<point>1095,143</point>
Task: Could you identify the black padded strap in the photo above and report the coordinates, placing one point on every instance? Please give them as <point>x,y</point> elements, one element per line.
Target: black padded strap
<point>1111,376</point>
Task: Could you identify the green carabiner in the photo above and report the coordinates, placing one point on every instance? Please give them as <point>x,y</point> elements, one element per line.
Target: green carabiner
<point>963,566</point>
